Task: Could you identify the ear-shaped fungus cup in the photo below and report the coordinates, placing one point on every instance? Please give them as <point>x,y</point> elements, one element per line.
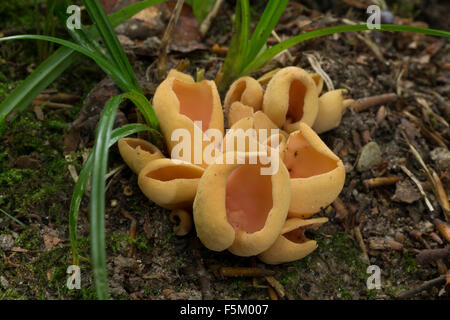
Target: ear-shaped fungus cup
<point>331,108</point>
<point>137,153</point>
<point>182,221</point>
<point>239,139</point>
<point>246,90</point>
<point>319,82</point>
<point>292,244</point>
<point>238,209</point>
<point>317,174</point>
<point>178,102</point>
<point>171,184</point>
<point>291,98</point>
<point>238,111</point>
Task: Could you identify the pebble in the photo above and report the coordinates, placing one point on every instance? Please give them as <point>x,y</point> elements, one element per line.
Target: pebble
<point>6,242</point>
<point>441,157</point>
<point>370,155</point>
<point>4,282</point>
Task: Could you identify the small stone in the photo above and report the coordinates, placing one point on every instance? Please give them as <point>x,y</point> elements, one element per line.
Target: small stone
<point>441,156</point>
<point>6,242</point>
<point>4,283</point>
<point>370,155</point>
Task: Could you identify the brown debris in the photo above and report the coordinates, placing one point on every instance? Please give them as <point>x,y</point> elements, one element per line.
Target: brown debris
<point>425,286</point>
<point>380,181</point>
<point>274,283</point>
<point>369,102</point>
<point>27,162</point>
<point>443,228</point>
<point>341,209</point>
<point>132,233</point>
<point>205,283</point>
<point>406,192</point>
<point>245,272</point>
<point>362,245</point>
<point>428,256</point>
<point>442,195</point>
<point>378,243</point>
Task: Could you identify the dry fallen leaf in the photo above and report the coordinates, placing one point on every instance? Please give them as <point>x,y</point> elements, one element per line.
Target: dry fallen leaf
<point>50,241</point>
<point>406,192</point>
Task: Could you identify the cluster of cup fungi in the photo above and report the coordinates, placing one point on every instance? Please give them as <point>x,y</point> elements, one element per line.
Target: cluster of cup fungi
<point>231,204</point>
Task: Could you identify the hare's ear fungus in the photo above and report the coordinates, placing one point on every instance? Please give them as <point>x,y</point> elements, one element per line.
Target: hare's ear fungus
<point>178,103</point>
<point>174,73</point>
<point>137,153</point>
<point>292,244</point>
<point>171,184</point>
<point>246,135</point>
<point>239,209</point>
<point>331,108</point>
<point>317,174</point>
<point>291,98</point>
<point>238,111</point>
<point>246,90</point>
<point>319,82</point>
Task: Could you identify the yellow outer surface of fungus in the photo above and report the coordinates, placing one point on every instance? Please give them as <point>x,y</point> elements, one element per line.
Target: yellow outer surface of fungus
<point>317,174</point>
<point>170,184</point>
<point>291,98</point>
<point>284,249</point>
<point>331,108</point>
<point>137,153</point>
<point>245,90</point>
<point>179,101</point>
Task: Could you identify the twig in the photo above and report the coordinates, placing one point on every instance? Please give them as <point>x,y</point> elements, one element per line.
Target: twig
<point>132,234</point>
<point>419,186</point>
<point>436,184</point>
<point>380,181</point>
<point>434,136</point>
<point>315,64</point>
<point>277,286</point>
<point>204,27</point>
<point>361,243</point>
<point>443,228</point>
<point>431,255</point>
<point>291,58</point>
<point>205,283</point>
<point>272,293</point>
<point>162,62</point>
<point>369,102</point>
<point>52,105</point>
<point>442,195</point>
<point>425,286</point>
<point>372,46</point>
<point>245,272</point>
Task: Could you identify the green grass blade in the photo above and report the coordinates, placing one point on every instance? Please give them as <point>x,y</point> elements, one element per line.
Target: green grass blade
<point>273,51</point>
<point>109,37</point>
<point>83,178</point>
<point>56,64</point>
<point>13,218</point>
<point>144,106</point>
<point>239,43</point>
<point>110,69</point>
<point>97,199</point>
<point>33,85</point>
<point>82,36</point>
<point>269,19</point>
